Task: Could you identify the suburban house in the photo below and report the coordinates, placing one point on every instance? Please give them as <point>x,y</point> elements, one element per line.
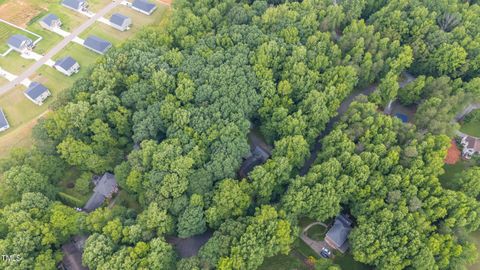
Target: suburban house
<point>144,6</point>
<point>105,187</point>
<point>337,236</point>
<point>77,5</point>
<point>72,258</point>
<point>37,93</point>
<point>3,121</point>
<point>97,44</point>
<point>20,43</point>
<point>471,146</point>
<point>258,156</point>
<point>67,65</point>
<point>51,21</point>
<point>120,22</point>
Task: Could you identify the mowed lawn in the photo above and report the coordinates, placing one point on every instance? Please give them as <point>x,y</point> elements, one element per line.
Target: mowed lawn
<point>471,128</point>
<point>14,63</point>
<point>139,21</point>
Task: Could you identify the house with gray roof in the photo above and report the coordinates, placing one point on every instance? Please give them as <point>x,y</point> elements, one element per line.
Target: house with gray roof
<point>105,187</point>
<point>76,5</point>
<point>67,65</point>
<point>144,7</point>
<point>3,121</point>
<point>337,236</point>
<point>37,93</point>
<point>120,22</point>
<point>97,44</point>
<point>51,21</point>
<point>72,254</point>
<point>20,43</point>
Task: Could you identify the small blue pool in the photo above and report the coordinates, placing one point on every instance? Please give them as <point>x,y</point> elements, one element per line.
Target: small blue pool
<point>402,117</point>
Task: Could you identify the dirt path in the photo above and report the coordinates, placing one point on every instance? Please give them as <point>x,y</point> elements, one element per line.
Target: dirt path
<point>33,68</point>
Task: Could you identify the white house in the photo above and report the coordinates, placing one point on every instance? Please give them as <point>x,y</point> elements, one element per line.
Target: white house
<point>51,21</point>
<point>3,121</point>
<point>20,43</point>
<point>120,22</point>
<point>471,146</point>
<point>77,5</point>
<point>37,93</point>
<point>67,65</point>
<point>144,7</point>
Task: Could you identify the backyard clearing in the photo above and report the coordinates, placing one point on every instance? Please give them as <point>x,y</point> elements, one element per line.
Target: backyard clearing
<point>19,12</point>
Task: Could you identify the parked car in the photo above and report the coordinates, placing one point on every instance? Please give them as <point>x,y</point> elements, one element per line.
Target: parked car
<point>325,253</point>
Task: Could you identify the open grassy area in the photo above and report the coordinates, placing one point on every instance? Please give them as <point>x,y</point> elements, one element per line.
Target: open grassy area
<point>287,262</point>
<point>471,128</point>
<point>317,232</point>
<point>14,63</point>
<point>97,5</point>
<point>346,261</point>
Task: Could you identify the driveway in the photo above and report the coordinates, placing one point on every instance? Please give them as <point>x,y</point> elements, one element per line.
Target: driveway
<point>317,246</point>
<point>33,68</point>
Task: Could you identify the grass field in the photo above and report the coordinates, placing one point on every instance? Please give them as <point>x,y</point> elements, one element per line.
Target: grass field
<point>14,63</point>
<point>317,232</point>
<point>287,262</point>
<point>471,128</point>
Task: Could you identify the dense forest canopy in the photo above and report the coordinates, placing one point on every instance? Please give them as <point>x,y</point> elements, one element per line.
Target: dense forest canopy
<point>169,113</point>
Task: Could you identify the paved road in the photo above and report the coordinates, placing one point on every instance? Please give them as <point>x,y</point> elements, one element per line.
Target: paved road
<point>33,68</point>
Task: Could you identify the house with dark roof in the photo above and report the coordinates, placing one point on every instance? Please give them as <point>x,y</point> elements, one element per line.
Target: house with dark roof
<point>337,236</point>
<point>97,44</point>
<point>105,187</point>
<point>120,22</point>
<point>77,5</point>
<point>144,7</point>
<point>50,21</point>
<point>67,65</point>
<point>20,43</point>
<point>3,121</point>
<point>258,156</point>
<point>72,254</point>
<point>37,93</point>
<point>471,146</point>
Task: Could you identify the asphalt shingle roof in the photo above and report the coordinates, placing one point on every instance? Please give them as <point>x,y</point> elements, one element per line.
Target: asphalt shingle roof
<point>49,19</point>
<point>97,44</point>
<point>143,5</point>
<point>16,40</point>
<point>66,63</point>
<point>35,90</point>
<point>118,19</point>
<point>3,119</point>
<point>73,3</point>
